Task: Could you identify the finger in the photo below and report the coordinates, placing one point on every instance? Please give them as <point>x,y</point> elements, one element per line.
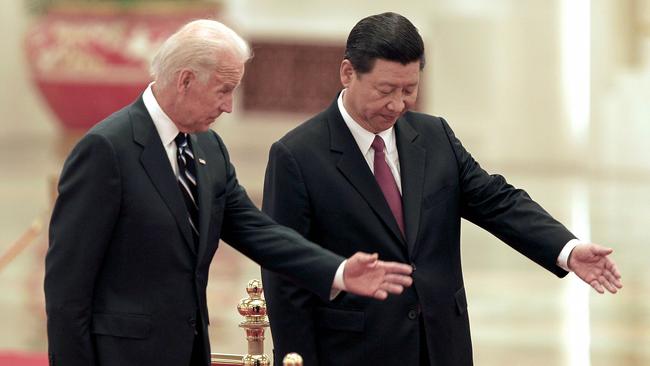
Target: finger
<point>391,288</point>
<point>380,295</point>
<point>396,267</point>
<point>610,265</point>
<point>618,283</point>
<point>405,281</point>
<point>611,278</point>
<point>603,281</point>
<point>596,285</point>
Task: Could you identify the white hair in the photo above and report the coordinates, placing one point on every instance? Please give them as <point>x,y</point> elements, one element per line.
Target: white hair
<point>198,46</point>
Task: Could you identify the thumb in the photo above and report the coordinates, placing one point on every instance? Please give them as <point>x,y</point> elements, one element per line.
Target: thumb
<point>598,250</point>
<point>365,258</point>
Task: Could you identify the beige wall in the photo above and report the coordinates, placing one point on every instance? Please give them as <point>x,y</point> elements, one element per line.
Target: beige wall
<point>23,111</point>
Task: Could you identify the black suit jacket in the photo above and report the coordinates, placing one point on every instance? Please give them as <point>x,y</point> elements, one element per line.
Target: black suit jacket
<point>318,183</point>
<point>123,280</point>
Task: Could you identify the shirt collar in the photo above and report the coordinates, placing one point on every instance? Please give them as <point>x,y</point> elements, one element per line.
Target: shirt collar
<point>164,125</point>
<point>363,137</point>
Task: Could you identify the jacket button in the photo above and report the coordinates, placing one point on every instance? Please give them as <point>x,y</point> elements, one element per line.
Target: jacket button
<point>192,323</point>
<point>413,314</point>
<point>413,267</point>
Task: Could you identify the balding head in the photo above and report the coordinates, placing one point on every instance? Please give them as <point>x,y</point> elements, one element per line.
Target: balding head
<point>199,46</point>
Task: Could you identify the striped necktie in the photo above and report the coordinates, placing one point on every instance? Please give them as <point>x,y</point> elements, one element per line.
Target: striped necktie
<point>187,181</point>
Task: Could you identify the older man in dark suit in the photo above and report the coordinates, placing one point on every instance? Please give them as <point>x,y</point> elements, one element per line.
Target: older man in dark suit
<point>370,172</point>
<point>143,200</point>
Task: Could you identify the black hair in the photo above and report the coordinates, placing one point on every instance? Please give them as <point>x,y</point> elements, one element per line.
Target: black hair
<point>387,36</point>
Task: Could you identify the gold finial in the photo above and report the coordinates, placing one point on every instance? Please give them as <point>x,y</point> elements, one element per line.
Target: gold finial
<point>292,359</point>
<point>253,308</point>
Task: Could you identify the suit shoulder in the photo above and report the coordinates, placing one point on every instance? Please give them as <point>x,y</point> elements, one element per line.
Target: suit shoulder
<point>113,126</point>
<point>423,120</point>
<point>427,124</point>
<point>311,132</point>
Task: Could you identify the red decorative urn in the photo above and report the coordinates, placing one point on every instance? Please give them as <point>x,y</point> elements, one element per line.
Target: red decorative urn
<point>90,59</point>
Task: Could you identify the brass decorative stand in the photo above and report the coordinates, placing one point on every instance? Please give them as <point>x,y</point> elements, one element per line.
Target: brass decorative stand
<point>253,309</point>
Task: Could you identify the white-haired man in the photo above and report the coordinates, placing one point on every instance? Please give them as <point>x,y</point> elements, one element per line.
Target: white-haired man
<point>143,200</point>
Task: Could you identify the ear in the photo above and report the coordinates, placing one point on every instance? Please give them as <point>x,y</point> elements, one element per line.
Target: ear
<point>346,72</point>
<point>185,79</point>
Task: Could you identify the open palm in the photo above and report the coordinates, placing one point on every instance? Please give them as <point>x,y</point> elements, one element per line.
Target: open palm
<point>591,262</point>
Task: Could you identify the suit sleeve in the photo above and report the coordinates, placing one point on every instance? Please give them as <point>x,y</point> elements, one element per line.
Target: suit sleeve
<point>507,212</point>
<point>273,246</point>
<point>290,307</point>
<point>82,222</point>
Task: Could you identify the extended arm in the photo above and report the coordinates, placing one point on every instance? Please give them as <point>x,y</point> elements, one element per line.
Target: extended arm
<point>511,215</point>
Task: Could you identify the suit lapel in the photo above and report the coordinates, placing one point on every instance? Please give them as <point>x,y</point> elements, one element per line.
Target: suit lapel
<point>156,164</point>
<point>205,193</point>
<point>412,158</point>
<point>355,169</point>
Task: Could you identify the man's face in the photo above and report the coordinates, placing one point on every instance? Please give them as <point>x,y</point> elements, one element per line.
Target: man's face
<point>378,98</point>
<point>199,103</point>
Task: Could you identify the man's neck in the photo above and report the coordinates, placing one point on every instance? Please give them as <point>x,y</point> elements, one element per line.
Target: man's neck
<point>165,101</point>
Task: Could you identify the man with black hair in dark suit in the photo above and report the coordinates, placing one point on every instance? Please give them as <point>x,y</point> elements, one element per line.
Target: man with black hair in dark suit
<point>370,172</point>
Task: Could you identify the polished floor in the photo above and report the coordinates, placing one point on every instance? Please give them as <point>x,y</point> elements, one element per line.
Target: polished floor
<point>520,314</point>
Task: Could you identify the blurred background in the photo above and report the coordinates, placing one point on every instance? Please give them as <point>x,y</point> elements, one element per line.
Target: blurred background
<point>553,94</point>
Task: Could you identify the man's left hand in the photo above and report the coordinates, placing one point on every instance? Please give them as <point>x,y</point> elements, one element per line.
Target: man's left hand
<point>591,263</point>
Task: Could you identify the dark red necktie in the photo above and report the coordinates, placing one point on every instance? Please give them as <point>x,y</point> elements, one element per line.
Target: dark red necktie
<point>387,183</point>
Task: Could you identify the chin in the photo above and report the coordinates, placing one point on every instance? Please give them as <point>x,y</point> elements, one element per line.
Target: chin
<point>386,124</point>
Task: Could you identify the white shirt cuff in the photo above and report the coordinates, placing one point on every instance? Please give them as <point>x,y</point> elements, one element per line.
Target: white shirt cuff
<point>563,258</point>
<point>338,285</point>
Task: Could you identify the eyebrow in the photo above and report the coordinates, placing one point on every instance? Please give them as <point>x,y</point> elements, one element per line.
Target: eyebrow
<point>392,85</point>
<point>228,86</point>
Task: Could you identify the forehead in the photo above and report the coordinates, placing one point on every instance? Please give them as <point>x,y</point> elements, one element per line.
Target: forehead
<point>393,72</point>
<point>230,69</point>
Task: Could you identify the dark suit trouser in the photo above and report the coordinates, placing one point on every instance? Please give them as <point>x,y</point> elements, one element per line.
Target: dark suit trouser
<point>198,353</point>
<point>424,352</point>
<point>198,349</point>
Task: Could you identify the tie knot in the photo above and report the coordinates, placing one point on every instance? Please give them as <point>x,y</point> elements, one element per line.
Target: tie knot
<point>378,144</point>
<point>181,140</point>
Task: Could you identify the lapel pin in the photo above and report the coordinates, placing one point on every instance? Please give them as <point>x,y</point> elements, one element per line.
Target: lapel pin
<point>201,161</point>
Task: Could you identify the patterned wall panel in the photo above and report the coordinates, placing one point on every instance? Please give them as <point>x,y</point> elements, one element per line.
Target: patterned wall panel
<point>290,77</point>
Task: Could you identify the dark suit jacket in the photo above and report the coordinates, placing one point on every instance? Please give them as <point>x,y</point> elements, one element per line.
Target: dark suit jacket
<point>123,280</point>
<point>318,183</point>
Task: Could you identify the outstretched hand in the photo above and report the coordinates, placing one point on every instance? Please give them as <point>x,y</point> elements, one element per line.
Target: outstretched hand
<point>364,274</point>
<point>591,263</point>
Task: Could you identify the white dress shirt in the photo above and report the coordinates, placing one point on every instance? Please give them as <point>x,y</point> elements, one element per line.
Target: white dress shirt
<point>167,130</point>
<point>364,139</point>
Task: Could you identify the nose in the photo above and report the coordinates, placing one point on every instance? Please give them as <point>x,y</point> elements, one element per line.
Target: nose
<point>226,106</point>
<point>396,103</point>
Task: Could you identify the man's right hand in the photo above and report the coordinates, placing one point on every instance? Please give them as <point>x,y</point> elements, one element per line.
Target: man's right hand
<point>364,274</point>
